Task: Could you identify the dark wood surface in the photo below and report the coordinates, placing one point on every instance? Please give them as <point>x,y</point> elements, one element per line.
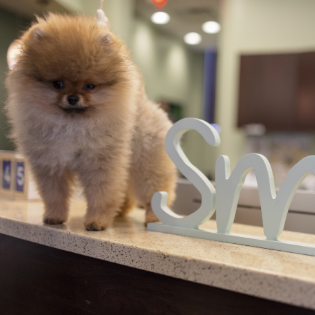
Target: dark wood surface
<point>278,91</point>
<point>306,91</point>
<point>268,91</point>
<point>39,280</point>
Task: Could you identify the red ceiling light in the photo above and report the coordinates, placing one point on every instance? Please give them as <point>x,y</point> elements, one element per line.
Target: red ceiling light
<point>159,3</point>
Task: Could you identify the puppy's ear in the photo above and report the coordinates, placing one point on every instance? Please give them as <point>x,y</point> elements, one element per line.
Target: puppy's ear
<point>14,53</point>
<point>38,34</point>
<point>106,39</point>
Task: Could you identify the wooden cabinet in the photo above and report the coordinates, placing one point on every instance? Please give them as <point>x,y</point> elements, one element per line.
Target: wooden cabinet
<point>37,279</point>
<point>278,91</point>
<point>306,91</point>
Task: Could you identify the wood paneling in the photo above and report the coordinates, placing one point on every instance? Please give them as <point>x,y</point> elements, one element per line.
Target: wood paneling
<point>278,91</point>
<point>39,280</point>
<point>306,91</point>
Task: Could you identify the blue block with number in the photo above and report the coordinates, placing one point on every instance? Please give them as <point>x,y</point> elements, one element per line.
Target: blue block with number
<point>6,174</point>
<point>16,179</point>
<point>20,176</point>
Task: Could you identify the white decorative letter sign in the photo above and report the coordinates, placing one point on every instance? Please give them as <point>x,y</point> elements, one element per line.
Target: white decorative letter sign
<point>225,197</point>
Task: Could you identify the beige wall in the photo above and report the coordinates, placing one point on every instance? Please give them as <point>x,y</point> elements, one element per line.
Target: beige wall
<point>171,72</point>
<point>254,26</point>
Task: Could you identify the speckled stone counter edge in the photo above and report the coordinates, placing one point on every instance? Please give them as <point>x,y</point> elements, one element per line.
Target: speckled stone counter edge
<point>254,282</point>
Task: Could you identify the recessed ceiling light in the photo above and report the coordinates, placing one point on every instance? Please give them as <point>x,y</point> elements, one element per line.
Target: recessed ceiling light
<point>192,38</point>
<point>160,18</point>
<point>211,27</point>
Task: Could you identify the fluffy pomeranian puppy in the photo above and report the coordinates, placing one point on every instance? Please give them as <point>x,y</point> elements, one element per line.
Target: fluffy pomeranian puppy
<point>77,106</point>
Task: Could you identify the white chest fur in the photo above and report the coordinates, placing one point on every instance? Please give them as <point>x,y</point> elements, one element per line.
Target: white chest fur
<point>65,144</point>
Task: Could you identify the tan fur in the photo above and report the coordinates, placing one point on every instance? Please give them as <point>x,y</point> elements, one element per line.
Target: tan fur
<point>116,147</point>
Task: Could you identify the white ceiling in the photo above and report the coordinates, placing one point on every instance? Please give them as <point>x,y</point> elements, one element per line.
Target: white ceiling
<point>186,16</point>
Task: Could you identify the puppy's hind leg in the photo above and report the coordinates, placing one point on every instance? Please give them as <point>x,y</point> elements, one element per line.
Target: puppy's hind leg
<point>157,173</point>
<point>129,204</point>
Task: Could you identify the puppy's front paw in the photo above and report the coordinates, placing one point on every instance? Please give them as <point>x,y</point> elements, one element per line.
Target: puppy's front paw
<point>95,226</point>
<point>100,223</point>
<point>51,221</point>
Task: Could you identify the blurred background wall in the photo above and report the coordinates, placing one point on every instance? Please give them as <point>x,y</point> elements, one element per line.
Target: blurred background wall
<point>255,27</point>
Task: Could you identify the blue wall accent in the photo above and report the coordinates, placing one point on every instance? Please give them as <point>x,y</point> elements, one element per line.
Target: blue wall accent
<point>209,85</point>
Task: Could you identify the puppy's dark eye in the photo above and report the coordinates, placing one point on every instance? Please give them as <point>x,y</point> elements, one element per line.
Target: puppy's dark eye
<point>58,85</point>
<point>90,86</point>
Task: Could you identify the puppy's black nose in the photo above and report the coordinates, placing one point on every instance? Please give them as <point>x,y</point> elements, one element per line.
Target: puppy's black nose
<point>73,99</point>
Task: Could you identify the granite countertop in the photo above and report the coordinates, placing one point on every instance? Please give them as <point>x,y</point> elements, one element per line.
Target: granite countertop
<point>270,274</point>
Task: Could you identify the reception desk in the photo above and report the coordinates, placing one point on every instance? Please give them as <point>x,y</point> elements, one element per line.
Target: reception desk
<point>126,269</point>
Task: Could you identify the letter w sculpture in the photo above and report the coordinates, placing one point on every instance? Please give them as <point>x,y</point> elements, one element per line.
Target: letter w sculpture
<point>225,197</point>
